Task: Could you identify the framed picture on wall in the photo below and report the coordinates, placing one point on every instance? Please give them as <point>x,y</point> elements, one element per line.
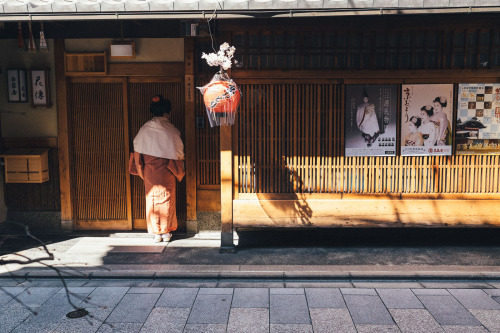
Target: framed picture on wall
<point>16,86</point>
<point>426,119</point>
<point>478,119</point>
<point>370,120</point>
<point>40,92</point>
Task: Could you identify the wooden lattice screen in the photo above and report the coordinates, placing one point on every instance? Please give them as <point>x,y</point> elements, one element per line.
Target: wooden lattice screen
<point>207,143</point>
<point>96,110</point>
<point>140,94</point>
<point>290,140</point>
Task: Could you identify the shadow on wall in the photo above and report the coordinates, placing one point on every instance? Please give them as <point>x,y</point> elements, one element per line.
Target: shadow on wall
<point>295,209</point>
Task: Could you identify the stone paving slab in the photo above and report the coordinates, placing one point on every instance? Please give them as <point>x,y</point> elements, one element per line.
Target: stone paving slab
<point>248,320</point>
<point>120,328</point>
<point>170,320</point>
<point>289,309</point>
<point>210,309</point>
<point>177,297</point>
<point>156,309</point>
<point>291,328</point>
<point>415,321</point>
<point>475,299</point>
<point>326,320</point>
<point>324,298</point>
<point>464,329</point>
<point>133,308</point>
<point>250,298</point>
<point>377,329</point>
<point>368,310</point>
<point>448,311</point>
<point>399,299</point>
<point>489,318</point>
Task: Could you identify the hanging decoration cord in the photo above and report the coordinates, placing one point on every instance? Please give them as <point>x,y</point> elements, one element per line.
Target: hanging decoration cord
<point>214,15</point>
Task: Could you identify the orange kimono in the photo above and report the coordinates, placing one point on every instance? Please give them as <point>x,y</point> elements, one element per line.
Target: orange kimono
<point>159,175</point>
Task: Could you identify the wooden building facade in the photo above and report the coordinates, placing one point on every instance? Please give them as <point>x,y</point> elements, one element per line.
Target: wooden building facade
<point>283,163</point>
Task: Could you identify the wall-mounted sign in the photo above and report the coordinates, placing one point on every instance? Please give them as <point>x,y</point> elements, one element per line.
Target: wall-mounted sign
<point>370,120</point>
<point>478,119</point>
<point>16,86</point>
<point>40,89</point>
<point>426,119</point>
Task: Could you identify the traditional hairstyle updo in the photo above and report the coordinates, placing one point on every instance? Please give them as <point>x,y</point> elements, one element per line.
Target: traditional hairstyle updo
<point>159,106</point>
<point>416,121</point>
<point>428,109</point>
<point>441,100</point>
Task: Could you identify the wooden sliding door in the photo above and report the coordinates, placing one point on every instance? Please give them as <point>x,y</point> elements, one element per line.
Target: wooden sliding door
<point>106,114</point>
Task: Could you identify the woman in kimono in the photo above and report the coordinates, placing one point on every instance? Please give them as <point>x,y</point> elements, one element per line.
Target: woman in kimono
<point>367,121</point>
<point>428,128</point>
<point>440,119</point>
<point>158,159</point>
<point>414,138</point>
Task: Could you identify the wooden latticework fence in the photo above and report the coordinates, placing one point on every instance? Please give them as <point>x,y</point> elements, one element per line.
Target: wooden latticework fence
<point>98,150</point>
<point>290,140</point>
<point>98,109</point>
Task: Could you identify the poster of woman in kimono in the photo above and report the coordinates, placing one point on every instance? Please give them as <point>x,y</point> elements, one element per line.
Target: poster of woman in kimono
<point>370,120</point>
<point>427,112</point>
<point>478,119</point>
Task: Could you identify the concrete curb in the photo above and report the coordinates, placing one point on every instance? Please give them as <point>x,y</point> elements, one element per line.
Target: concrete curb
<point>255,275</point>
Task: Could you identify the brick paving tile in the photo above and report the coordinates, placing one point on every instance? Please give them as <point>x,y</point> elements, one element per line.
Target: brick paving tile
<point>250,298</point>
<point>145,290</point>
<point>248,320</point>
<point>431,292</point>
<point>215,291</point>
<point>331,320</point>
<point>415,321</point>
<point>6,293</point>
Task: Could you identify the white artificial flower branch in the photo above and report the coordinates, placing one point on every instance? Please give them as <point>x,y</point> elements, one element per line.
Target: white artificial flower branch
<point>223,58</point>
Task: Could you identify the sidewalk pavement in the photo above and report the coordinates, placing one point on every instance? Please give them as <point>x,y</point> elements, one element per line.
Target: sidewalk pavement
<point>278,281</point>
<point>128,306</point>
<point>280,256</point>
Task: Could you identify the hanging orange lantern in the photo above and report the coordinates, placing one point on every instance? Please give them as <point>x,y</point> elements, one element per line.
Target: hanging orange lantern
<point>222,97</point>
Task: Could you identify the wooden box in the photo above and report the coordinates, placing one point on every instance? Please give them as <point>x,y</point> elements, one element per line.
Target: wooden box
<point>85,63</point>
<point>26,165</point>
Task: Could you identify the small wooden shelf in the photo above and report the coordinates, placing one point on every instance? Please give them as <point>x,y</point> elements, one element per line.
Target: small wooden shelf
<point>26,165</point>
<point>81,64</point>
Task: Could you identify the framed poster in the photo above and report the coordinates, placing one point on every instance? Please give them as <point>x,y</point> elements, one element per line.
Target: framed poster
<point>16,84</point>
<point>426,119</point>
<point>370,120</point>
<point>478,119</point>
<point>40,93</point>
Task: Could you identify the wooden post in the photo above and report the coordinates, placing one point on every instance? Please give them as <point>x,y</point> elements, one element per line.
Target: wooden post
<point>226,188</point>
<point>190,144</point>
<point>67,217</point>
